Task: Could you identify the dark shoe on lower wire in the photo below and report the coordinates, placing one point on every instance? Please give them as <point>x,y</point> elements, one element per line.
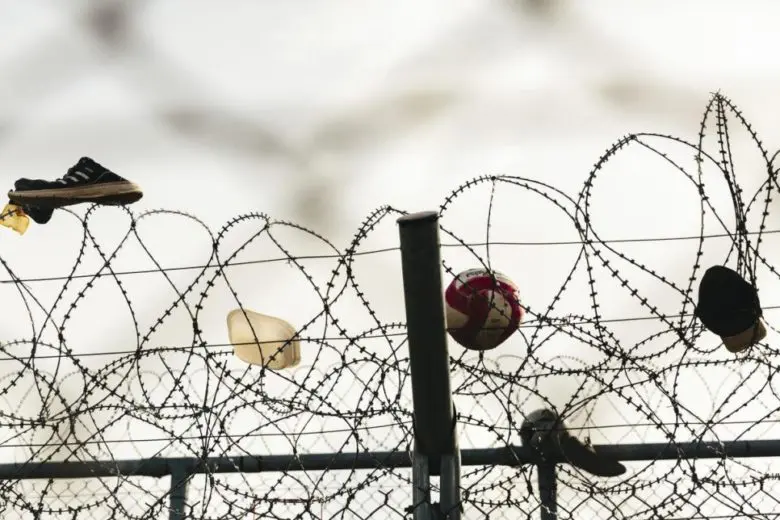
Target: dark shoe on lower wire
<point>585,457</point>
<point>86,182</point>
<point>546,432</point>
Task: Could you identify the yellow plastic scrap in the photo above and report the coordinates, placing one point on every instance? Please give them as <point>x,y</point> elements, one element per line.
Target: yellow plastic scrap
<point>15,218</point>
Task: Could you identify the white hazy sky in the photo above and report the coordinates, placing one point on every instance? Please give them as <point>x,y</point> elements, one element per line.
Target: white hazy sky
<point>327,110</point>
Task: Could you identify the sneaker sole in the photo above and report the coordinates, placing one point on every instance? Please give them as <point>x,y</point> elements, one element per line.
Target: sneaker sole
<point>111,193</point>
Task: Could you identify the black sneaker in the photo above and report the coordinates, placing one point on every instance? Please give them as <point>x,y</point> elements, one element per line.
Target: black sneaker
<point>85,182</point>
<point>40,215</point>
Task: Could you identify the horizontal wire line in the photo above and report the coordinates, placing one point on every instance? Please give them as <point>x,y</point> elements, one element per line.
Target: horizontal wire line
<point>356,338</point>
<point>230,436</point>
<point>378,251</point>
<point>233,436</point>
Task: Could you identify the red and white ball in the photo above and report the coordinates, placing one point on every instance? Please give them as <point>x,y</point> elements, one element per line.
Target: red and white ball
<point>483,309</point>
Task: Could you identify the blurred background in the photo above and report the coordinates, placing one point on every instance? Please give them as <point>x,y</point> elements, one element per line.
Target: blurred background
<point>318,111</point>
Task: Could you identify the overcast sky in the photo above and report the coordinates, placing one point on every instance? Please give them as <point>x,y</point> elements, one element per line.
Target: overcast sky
<point>318,112</point>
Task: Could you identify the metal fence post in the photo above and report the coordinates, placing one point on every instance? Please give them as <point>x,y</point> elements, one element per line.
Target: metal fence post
<point>450,504</point>
<point>177,497</point>
<point>429,360</point>
<point>548,485</point>
<point>421,491</point>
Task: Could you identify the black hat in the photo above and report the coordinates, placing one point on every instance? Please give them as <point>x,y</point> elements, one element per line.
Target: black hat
<point>729,307</point>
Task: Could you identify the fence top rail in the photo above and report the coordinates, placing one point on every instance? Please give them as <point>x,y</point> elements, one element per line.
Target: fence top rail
<point>507,456</point>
